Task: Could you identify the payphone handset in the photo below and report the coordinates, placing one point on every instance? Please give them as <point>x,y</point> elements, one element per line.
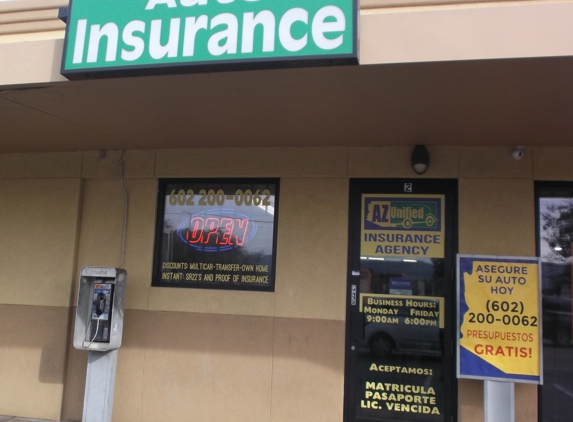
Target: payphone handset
<point>102,301</point>
<point>98,329</point>
<point>99,314</point>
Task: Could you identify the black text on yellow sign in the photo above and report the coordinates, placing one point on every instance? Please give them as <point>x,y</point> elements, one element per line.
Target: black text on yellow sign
<point>499,318</point>
<point>405,226</point>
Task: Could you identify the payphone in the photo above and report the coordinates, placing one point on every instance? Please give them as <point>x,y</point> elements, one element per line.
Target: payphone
<point>99,314</point>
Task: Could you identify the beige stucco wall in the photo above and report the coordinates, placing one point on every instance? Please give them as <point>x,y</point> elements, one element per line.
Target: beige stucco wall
<point>222,355</point>
<point>39,219</point>
<point>391,31</point>
<point>29,20</point>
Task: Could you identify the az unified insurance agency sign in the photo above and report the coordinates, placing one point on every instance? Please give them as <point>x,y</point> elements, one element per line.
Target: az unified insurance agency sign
<point>403,226</point>
<point>132,37</point>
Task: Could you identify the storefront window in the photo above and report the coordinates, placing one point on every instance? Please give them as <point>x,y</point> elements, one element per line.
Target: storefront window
<point>216,234</point>
<point>555,234</point>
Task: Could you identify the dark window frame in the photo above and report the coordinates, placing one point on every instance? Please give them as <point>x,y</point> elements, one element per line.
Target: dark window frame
<point>159,220</point>
<point>540,187</point>
<point>448,187</point>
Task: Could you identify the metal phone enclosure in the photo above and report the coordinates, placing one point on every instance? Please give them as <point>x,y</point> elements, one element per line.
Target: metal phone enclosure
<point>100,305</point>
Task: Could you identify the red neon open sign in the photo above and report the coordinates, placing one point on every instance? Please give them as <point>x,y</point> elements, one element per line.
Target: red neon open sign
<point>216,233</point>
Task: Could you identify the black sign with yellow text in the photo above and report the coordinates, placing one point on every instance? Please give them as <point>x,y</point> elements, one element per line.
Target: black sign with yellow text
<point>401,378</point>
<point>214,233</point>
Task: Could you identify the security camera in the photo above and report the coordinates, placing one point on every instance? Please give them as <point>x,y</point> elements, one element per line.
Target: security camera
<point>517,153</point>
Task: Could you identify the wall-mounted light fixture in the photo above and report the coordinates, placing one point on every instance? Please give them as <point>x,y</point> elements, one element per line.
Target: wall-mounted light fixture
<point>420,159</point>
<point>517,153</point>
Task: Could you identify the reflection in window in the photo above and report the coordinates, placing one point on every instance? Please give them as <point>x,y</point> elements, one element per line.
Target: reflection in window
<point>555,241</point>
<point>402,303</point>
<point>389,276</point>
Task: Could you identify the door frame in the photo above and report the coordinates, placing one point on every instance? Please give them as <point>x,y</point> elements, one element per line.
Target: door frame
<point>447,187</point>
<point>539,187</point>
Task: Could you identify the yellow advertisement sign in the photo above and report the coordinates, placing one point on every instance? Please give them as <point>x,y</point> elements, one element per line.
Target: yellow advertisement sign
<point>403,226</point>
<point>499,318</point>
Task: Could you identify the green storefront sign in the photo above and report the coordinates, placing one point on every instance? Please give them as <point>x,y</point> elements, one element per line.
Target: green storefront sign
<point>133,37</point>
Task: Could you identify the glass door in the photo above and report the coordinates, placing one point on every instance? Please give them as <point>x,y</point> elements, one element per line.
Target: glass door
<point>399,360</point>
